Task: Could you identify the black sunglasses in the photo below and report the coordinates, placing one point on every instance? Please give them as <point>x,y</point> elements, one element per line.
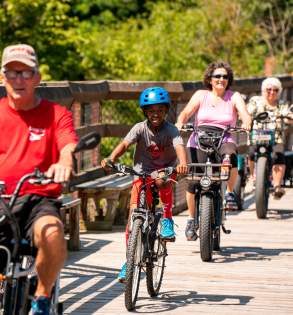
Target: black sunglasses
<point>219,76</point>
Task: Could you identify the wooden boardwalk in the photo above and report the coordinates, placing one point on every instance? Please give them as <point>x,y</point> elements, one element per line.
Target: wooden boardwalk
<point>253,274</point>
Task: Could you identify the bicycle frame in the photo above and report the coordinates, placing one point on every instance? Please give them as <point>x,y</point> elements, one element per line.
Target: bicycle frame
<point>143,211</point>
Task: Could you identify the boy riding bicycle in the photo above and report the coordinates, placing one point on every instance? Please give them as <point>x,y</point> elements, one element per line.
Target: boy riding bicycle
<point>158,145</point>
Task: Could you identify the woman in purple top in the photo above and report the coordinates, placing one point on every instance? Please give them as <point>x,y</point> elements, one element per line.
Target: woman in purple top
<point>216,107</point>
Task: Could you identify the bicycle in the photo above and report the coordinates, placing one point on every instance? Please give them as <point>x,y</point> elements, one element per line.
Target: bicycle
<point>210,178</point>
<point>146,250</point>
<point>19,279</point>
<point>264,140</point>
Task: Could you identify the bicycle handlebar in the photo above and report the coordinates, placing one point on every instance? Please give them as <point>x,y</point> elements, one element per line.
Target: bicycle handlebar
<point>190,127</point>
<point>163,173</point>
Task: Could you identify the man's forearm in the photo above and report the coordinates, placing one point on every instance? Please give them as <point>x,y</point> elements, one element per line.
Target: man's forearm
<point>66,155</point>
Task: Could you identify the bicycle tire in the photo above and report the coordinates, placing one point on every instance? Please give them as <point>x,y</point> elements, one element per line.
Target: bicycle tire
<point>23,302</point>
<point>205,227</point>
<point>155,268</point>
<point>10,293</point>
<point>261,187</point>
<point>239,190</point>
<point>134,264</point>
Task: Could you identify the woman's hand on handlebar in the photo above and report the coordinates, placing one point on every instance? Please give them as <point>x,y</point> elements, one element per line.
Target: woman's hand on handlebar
<point>246,125</point>
<point>181,168</point>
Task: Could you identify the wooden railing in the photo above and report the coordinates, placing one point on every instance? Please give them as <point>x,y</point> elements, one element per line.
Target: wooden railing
<point>70,94</point>
<point>67,93</point>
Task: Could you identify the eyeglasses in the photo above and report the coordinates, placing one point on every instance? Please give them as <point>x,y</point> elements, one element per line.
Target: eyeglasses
<point>220,76</point>
<point>272,90</point>
<point>25,74</point>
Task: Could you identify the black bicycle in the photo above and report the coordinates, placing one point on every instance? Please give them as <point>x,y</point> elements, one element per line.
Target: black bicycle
<point>263,139</point>
<point>18,280</point>
<point>146,249</point>
<point>210,178</point>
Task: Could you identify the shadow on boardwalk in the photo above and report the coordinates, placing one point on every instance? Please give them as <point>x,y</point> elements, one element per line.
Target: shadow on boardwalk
<point>99,284</point>
<point>235,253</point>
<point>171,300</point>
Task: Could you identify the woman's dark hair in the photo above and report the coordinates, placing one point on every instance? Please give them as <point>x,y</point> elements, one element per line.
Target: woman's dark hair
<point>210,70</point>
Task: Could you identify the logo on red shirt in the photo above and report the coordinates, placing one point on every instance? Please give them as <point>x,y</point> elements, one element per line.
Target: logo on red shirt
<point>36,133</point>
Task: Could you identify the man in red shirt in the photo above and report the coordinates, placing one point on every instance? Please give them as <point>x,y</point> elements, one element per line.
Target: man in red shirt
<point>35,133</point>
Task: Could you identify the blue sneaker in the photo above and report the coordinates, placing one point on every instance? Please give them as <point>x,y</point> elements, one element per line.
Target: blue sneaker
<point>122,274</point>
<point>167,231</point>
<point>41,305</point>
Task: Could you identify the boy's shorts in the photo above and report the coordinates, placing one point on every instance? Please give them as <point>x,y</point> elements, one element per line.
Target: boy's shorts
<point>27,210</point>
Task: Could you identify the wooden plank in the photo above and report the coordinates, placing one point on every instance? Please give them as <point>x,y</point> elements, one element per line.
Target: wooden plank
<point>110,182</point>
<point>88,175</point>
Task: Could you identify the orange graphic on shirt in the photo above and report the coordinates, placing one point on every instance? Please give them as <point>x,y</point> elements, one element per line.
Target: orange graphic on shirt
<point>155,150</point>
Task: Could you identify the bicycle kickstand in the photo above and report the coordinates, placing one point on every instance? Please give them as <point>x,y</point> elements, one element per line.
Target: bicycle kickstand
<point>225,230</point>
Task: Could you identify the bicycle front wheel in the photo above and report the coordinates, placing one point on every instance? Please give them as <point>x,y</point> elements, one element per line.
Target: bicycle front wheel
<point>205,227</point>
<point>134,264</point>
<point>262,187</point>
<point>155,268</point>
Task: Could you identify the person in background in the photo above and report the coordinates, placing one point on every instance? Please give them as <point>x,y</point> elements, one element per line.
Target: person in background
<point>35,133</point>
<point>158,145</point>
<point>214,108</point>
<point>269,101</point>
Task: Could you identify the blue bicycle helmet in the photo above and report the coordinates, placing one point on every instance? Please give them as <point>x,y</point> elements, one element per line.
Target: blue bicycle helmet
<point>154,95</point>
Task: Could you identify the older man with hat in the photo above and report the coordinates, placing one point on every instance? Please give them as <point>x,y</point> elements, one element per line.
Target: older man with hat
<point>35,133</point>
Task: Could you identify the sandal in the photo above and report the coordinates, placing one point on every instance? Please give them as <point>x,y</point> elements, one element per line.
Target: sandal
<point>278,192</point>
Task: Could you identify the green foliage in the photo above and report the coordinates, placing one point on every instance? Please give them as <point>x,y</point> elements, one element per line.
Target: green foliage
<point>107,146</point>
<point>175,45</point>
<point>148,39</point>
<point>46,26</point>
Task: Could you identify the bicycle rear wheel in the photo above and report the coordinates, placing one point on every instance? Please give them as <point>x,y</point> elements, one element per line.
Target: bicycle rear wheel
<point>155,268</point>
<point>134,264</point>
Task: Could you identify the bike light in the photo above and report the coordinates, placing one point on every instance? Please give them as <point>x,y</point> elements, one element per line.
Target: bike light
<point>205,182</point>
<point>262,149</point>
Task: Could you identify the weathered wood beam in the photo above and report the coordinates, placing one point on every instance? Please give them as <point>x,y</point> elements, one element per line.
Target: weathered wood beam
<point>105,130</point>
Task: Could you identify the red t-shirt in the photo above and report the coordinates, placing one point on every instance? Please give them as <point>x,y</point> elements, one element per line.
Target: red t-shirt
<point>30,139</point>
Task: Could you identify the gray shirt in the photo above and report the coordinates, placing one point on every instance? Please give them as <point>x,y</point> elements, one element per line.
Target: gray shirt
<point>154,150</point>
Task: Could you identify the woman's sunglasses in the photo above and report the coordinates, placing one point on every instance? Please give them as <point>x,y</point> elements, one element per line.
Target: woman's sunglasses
<point>220,76</point>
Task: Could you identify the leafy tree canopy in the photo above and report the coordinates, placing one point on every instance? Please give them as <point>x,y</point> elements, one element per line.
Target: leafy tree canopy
<point>148,39</point>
